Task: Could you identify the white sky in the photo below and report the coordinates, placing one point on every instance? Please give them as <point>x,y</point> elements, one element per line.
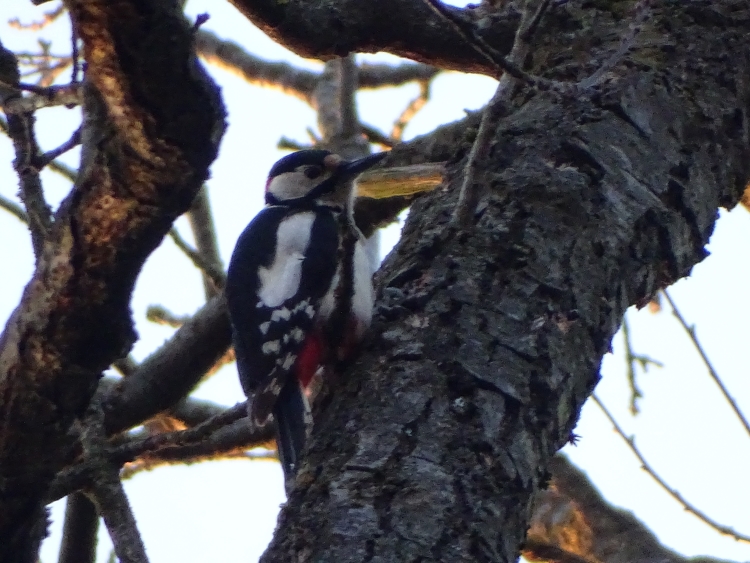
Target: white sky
<point>227,510</point>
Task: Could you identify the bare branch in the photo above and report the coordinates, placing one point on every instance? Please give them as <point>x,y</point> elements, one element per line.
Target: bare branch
<point>411,110</point>
<point>286,143</point>
<point>510,65</point>
<point>233,58</point>
<point>108,493</point>
<point>48,18</point>
<point>722,529</point>
<point>68,95</point>
<point>171,372</point>
<point>380,75</point>
<point>690,330</point>
<point>143,166</point>
<point>14,209</point>
<point>642,12</point>
<point>468,197</point>
<point>201,222</point>
<point>214,437</point>
<point>160,315</point>
<point>20,129</point>
<point>216,275</point>
<point>635,392</point>
<point>49,156</point>
<point>79,531</point>
<point>376,137</point>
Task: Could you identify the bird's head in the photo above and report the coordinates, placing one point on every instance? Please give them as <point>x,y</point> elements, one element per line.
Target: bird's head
<point>316,177</point>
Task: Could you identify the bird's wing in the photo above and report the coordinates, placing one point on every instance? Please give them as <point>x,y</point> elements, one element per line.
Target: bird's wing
<point>283,265</point>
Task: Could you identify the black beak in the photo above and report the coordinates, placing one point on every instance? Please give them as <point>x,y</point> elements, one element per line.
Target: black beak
<point>356,167</point>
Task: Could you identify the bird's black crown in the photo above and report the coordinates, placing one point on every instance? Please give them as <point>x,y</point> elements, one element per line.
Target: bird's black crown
<point>291,162</point>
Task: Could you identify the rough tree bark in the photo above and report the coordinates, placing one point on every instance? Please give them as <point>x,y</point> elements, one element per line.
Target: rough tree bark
<point>152,127</point>
<point>487,341</point>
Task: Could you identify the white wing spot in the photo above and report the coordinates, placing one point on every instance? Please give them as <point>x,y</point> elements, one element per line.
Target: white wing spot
<point>274,387</point>
<point>279,314</point>
<point>264,327</point>
<point>310,311</point>
<point>271,347</point>
<point>301,305</point>
<point>286,339</point>
<point>289,361</point>
<point>298,334</point>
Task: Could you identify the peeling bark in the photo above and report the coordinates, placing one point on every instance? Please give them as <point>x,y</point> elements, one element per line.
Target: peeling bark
<point>152,125</point>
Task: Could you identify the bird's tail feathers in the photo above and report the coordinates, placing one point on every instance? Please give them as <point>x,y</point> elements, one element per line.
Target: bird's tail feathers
<point>292,414</point>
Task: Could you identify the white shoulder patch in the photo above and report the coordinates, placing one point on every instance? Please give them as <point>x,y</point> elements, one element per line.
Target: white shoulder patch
<point>280,280</point>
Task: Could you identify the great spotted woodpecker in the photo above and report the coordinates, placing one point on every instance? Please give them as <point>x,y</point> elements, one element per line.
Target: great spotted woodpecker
<point>299,290</point>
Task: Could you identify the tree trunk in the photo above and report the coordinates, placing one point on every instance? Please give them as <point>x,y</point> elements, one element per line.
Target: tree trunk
<point>488,340</point>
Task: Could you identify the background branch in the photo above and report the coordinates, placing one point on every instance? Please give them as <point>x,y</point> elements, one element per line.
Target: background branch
<point>722,529</point>
<point>690,330</point>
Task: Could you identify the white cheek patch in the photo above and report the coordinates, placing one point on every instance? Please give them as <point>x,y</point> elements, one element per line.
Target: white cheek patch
<point>281,279</point>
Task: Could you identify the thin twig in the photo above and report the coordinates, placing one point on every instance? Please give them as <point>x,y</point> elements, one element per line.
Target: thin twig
<point>201,221</point>
<point>642,11</point>
<point>410,111</point>
<point>635,392</point>
<point>14,209</point>
<point>75,140</point>
<point>287,144</point>
<point>217,276</point>
<point>503,65</point>
<point>233,58</point>
<point>183,446</point>
<point>468,196</point>
<point>48,18</point>
<point>150,463</point>
<point>160,315</point>
<point>690,330</point>
<point>375,136</point>
<point>630,441</point>
<point>150,444</point>
<point>21,131</point>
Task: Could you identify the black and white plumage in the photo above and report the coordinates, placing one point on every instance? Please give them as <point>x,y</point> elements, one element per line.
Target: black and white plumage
<point>299,289</point>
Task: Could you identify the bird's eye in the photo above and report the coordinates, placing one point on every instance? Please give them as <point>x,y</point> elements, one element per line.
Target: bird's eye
<point>313,172</point>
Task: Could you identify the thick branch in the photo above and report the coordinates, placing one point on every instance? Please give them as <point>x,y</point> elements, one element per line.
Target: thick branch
<point>409,29</point>
<point>152,124</point>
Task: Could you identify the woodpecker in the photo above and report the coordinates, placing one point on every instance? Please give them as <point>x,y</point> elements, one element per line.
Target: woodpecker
<point>299,290</point>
